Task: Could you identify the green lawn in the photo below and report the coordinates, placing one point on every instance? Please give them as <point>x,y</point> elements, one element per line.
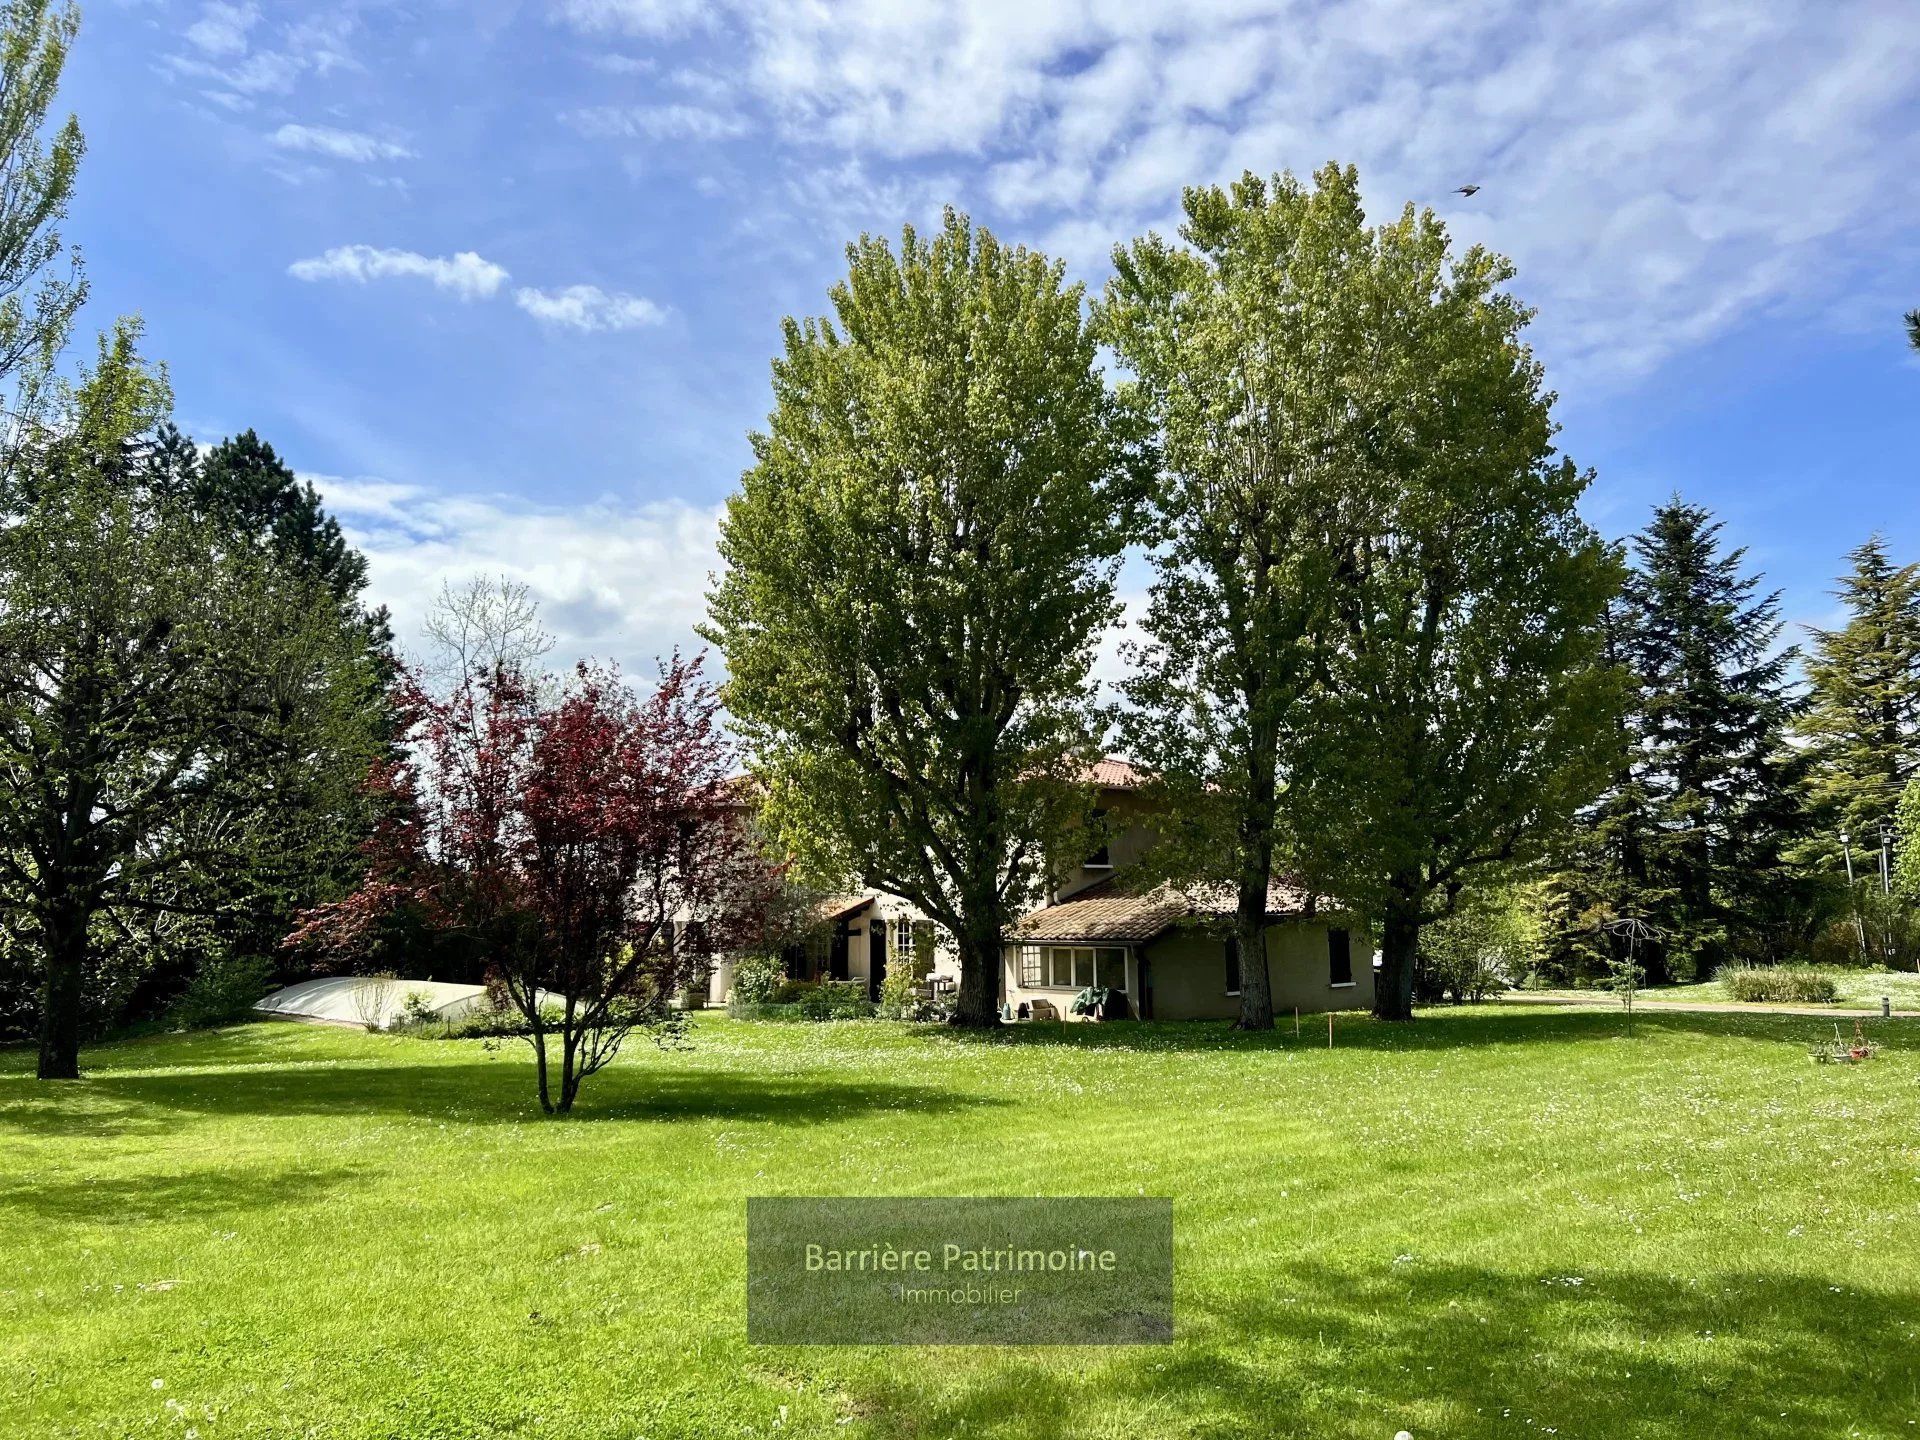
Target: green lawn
<point>1490,1223</point>
<point>1859,990</point>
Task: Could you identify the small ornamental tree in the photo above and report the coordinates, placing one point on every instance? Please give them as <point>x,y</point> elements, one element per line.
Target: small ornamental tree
<point>584,841</point>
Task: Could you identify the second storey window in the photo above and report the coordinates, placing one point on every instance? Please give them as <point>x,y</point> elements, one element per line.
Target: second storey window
<point>1100,859</point>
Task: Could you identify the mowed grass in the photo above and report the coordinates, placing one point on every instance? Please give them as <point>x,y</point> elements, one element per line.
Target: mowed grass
<point>1489,1223</point>
<point>1859,990</point>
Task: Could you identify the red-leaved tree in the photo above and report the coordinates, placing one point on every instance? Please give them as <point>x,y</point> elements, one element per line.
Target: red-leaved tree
<point>583,840</point>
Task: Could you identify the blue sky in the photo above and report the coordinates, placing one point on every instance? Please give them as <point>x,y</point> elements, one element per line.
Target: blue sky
<point>505,278</point>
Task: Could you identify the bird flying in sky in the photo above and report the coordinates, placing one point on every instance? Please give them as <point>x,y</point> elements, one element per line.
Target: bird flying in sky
<point>1468,190</point>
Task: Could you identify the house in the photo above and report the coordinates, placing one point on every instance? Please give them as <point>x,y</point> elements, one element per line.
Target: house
<point>1170,948</point>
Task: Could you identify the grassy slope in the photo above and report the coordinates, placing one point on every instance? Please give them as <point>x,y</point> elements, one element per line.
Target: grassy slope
<point>1487,1224</point>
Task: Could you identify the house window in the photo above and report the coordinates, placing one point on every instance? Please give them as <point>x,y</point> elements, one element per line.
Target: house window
<point>1233,965</point>
<point>1100,859</point>
<point>1339,958</point>
<point>1072,967</point>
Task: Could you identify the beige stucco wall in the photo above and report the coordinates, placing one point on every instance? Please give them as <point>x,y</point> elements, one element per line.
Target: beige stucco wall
<point>1187,969</point>
<point>1133,836</point>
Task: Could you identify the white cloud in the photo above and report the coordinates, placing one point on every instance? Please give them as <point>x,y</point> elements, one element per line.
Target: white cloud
<point>656,122</point>
<point>1661,174</point>
<point>619,582</point>
<point>588,307</point>
<point>340,144</point>
<point>464,274</point>
<point>222,28</point>
<point>637,17</point>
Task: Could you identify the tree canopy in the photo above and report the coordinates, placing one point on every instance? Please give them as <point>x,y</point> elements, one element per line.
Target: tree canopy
<point>1245,347</point>
<point>918,567</point>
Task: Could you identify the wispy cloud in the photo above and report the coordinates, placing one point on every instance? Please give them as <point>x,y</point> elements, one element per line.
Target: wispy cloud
<point>222,28</point>
<point>340,144</point>
<point>588,307</point>
<point>656,122</point>
<point>1661,174</point>
<point>464,274</point>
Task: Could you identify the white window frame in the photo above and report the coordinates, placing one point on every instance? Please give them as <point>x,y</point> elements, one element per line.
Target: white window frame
<point>1117,955</point>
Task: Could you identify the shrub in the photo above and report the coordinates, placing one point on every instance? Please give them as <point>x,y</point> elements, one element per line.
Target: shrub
<point>807,1000</point>
<point>416,1008</point>
<point>756,978</point>
<point>899,994</point>
<point>222,990</point>
<point>1780,984</point>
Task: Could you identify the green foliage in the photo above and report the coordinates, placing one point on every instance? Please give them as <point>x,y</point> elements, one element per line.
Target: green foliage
<point>37,304</point>
<point>1694,834</point>
<point>814,1000</point>
<point>1492,941</point>
<point>1906,870</point>
<point>757,977</point>
<point>1913,328</point>
<point>1862,723</point>
<point>1779,984</point>
<point>150,674</point>
<point>221,991</point>
<point>918,567</point>
<point>1464,709</point>
<point>899,993</point>
<point>1246,347</point>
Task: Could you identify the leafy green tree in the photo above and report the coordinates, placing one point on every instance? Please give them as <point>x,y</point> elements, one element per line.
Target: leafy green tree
<point>1862,723</point>
<point>1906,874</point>
<point>149,669</point>
<point>1711,714</point>
<point>1246,347</point>
<point>1913,328</point>
<point>1463,709</point>
<point>918,567</point>
<point>37,170</point>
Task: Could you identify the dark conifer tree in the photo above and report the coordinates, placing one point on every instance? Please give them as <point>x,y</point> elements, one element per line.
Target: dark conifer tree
<point>1862,724</point>
<point>1712,774</point>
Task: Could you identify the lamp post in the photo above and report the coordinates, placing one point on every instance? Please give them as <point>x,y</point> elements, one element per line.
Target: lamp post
<point>1886,852</point>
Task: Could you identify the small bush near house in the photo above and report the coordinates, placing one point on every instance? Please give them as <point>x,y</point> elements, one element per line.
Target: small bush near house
<point>756,978</point>
<point>1780,984</point>
<point>223,990</point>
<point>899,995</point>
<point>807,1000</point>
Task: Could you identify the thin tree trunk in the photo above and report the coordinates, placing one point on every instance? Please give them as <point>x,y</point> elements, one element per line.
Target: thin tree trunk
<point>1399,943</point>
<point>60,1013</point>
<point>540,1069</point>
<point>1256,873</point>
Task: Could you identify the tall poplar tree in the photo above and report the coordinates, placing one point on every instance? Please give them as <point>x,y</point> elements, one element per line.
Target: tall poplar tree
<point>918,568</point>
<point>1246,345</point>
<point>1463,709</point>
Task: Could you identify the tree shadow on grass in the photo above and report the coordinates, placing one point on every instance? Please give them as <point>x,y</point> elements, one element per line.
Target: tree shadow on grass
<point>1475,1027</point>
<point>111,1102</point>
<point>202,1193</point>
<point>1463,1351</point>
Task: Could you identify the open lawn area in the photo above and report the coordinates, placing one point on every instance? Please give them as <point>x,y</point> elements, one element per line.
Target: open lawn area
<point>1488,1223</point>
<point>1858,990</point>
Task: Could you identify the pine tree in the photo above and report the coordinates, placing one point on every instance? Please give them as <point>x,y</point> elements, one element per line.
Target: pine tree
<point>1710,761</point>
<point>1862,725</point>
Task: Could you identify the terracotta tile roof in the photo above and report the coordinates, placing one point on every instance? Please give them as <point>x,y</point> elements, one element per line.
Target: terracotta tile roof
<point>1113,773</point>
<point>1109,911</point>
